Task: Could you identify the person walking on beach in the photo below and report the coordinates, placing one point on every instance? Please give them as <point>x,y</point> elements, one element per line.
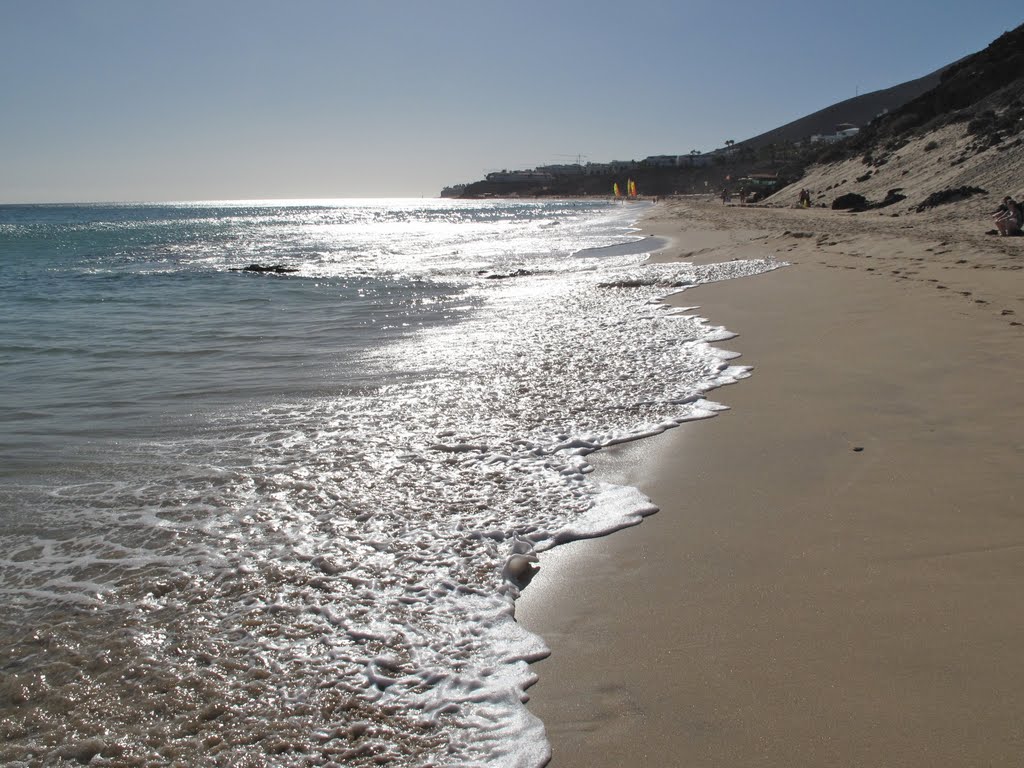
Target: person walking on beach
<point>1009,217</point>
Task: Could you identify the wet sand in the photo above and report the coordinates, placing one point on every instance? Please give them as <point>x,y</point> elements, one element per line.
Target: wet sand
<point>835,574</point>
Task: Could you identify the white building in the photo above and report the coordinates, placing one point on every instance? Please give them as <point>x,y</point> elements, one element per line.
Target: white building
<point>570,169</point>
<point>519,177</point>
<point>843,131</point>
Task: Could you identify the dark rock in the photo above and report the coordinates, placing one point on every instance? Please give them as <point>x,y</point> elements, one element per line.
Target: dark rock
<point>277,269</point>
<point>892,197</point>
<point>949,196</point>
<point>506,275</point>
<point>851,201</point>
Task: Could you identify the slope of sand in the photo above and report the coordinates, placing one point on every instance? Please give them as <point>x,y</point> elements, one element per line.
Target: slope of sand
<point>939,160</point>
<point>835,576</point>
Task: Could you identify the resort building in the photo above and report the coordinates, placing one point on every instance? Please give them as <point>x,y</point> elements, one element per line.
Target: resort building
<point>569,169</point>
<point>843,131</point>
<point>519,177</point>
<point>695,160</point>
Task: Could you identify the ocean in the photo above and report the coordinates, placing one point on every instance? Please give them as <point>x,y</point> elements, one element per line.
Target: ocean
<point>281,518</point>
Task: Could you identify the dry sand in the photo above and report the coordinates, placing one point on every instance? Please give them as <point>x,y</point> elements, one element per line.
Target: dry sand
<point>836,575</point>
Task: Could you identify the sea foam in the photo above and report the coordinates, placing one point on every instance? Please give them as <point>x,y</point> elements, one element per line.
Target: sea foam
<point>329,578</point>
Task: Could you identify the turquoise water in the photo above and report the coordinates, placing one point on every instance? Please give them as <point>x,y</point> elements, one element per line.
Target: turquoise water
<point>275,518</point>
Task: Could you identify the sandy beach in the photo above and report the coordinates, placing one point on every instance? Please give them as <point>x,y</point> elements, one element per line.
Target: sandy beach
<point>834,577</point>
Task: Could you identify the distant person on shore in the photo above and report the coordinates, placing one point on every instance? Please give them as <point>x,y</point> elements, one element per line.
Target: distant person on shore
<point>1009,217</point>
<point>805,198</point>
<point>726,197</point>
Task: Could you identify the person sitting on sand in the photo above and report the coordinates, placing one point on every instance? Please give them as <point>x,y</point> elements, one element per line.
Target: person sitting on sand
<point>1009,217</point>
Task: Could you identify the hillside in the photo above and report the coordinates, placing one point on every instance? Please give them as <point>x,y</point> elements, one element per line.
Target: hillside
<point>771,153</point>
<point>961,143</point>
<point>958,127</point>
<point>859,110</point>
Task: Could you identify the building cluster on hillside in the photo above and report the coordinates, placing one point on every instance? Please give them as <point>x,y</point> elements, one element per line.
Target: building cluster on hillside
<point>545,174</point>
<point>843,131</point>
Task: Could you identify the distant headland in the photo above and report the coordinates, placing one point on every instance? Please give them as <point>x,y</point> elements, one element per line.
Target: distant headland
<point>760,164</point>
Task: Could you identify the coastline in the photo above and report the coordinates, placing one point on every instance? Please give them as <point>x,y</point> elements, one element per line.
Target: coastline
<point>798,601</point>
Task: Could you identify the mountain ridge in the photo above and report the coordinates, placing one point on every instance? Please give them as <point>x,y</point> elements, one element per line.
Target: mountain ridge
<point>858,110</point>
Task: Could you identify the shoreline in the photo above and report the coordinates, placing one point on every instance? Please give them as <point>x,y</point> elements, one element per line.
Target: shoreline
<point>832,576</point>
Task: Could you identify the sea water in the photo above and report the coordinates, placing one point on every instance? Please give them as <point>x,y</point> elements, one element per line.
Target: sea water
<point>281,518</point>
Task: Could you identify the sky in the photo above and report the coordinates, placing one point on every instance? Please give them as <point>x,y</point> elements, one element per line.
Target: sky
<point>156,100</point>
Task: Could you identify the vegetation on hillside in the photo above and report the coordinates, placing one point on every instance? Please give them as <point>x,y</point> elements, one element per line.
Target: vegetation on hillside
<point>984,90</point>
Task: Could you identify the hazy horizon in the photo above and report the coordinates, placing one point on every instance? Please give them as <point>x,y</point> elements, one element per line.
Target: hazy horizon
<point>121,101</point>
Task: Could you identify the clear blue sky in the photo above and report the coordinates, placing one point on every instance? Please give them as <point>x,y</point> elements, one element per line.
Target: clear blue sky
<point>214,99</point>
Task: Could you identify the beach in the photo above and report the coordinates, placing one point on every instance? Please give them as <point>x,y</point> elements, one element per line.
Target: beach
<point>833,575</point>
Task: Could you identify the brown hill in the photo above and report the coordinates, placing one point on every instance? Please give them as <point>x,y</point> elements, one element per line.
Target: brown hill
<point>955,148</point>
<point>859,110</point>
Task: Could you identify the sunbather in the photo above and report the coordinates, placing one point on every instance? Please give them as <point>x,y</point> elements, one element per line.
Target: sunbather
<point>1009,217</point>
